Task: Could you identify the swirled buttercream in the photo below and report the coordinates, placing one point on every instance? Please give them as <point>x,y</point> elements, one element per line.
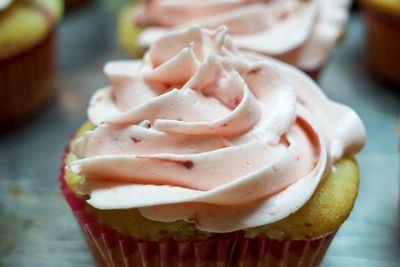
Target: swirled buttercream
<point>202,132</point>
<point>302,33</point>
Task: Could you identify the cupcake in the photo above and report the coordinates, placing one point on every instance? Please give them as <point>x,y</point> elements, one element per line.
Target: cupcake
<point>203,155</point>
<point>27,39</point>
<point>301,33</point>
<point>383,38</point>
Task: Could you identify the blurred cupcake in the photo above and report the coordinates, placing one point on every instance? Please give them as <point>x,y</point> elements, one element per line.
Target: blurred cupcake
<point>27,39</point>
<point>202,155</point>
<point>383,38</point>
<point>301,33</point>
<point>127,31</point>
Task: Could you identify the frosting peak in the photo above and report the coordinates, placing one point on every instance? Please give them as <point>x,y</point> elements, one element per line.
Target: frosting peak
<point>201,132</point>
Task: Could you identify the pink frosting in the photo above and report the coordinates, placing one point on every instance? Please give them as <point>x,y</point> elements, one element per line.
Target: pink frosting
<point>302,33</point>
<point>202,132</point>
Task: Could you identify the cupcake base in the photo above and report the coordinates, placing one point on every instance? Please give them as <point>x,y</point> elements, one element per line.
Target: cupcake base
<point>26,82</point>
<point>383,45</point>
<point>113,248</point>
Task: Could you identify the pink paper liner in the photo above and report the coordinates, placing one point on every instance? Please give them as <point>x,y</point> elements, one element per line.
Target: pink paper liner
<point>113,248</point>
<point>26,81</point>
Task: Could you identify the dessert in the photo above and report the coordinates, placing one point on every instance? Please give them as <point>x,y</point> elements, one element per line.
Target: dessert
<point>27,39</point>
<point>301,33</point>
<point>201,147</point>
<point>128,33</point>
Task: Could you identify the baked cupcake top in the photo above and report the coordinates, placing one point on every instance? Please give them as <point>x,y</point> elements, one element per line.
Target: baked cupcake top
<point>301,33</point>
<point>200,131</point>
<point>24,23</point>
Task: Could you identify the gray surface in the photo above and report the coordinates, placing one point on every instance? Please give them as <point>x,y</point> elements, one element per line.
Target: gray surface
<point>36,227</point>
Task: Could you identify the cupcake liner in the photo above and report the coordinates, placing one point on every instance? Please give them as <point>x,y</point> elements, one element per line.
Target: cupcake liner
<point>26,81</point>
<point>111,248</point>
<point>383,44</point>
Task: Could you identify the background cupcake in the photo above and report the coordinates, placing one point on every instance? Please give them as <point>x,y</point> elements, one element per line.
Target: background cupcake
<point>199,148</point>
<point>27,37</point>
<point>127,31</point>
<point>301,33</point>
<point>383,38</point>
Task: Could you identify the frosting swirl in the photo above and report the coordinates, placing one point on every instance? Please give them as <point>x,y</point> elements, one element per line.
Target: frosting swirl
<point>202,132</point>
<point>299,32</point>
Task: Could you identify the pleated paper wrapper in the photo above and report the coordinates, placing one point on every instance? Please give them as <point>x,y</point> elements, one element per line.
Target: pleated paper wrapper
<point>111,248</point>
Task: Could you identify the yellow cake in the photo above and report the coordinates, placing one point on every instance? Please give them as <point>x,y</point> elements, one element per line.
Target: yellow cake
<point>25,23</point>
<point>204,155</point>
<point>27,40</point>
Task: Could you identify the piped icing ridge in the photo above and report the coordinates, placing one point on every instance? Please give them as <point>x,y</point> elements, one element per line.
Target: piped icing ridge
<point>202,132</point>
<point>299,32</point>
